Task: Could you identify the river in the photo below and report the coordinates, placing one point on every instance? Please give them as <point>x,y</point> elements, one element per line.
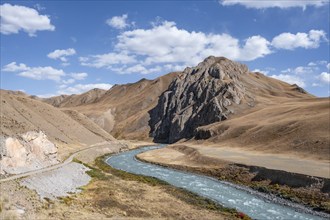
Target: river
<point>228,195</point>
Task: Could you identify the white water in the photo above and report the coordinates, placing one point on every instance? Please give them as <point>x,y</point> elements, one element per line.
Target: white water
<point>223,193</point>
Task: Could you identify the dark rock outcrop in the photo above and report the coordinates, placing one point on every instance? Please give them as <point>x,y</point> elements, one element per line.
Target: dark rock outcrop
<point>199,96</point>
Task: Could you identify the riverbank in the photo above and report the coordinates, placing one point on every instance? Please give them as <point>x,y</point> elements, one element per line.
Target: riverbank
<point>309,191</point>
<point>109,194</point>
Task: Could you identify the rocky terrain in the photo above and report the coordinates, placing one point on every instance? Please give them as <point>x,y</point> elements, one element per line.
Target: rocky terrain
<point>30,151</point>
<point>215,90</point>
<point>199,96</point>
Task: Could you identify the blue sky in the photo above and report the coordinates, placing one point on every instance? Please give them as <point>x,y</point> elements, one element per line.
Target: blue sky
<point>64,47</point>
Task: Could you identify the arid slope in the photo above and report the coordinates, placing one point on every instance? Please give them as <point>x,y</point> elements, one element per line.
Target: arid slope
<point>122,110</point>
<point>71,130</point>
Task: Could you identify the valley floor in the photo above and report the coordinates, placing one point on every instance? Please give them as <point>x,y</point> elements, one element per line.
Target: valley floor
<point>289,163</point>
<point>110,194</point>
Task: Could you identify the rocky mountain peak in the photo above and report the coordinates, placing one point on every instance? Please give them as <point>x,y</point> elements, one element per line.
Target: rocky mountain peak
<point>199,96</point>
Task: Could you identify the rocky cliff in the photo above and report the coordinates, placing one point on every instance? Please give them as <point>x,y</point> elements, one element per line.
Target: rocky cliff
<point>199,96</point>
<point>27,152</point>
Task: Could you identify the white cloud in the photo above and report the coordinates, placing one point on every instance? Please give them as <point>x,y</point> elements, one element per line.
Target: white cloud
<point>265,72</point>
<point>312,64</point>
<point>173,67</point>
<point>39,7</point>
<point>328,66</point>
<point>15,18</point>
<point>62,54</point>
<point>13,67</point>
<point>81,88</point>
<point>65,64</point>
<point>48,95</point>
<point>37,73</point>
<point>305,70</point>
<point>68,81</point>
<point>291,41</point>
<point>142,70</point>
<point>262,4</point>
<point>324,77</point>
<point>164,44</point>
<point>41,73</point>
<point>118,22</point>
<point>167,44</point>
<point>107,60</point>
<point>255,47</point>
<point>290,79</point>
<point>79,76</point>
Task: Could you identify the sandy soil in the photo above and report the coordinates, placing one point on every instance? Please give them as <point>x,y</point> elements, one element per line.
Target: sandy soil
<point>286,162</point>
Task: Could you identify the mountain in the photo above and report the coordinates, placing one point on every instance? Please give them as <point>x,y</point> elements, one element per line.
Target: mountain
<point>218,102</point>
<point>89,97</point>
<point>122,110</point>
<point>215,90</point>
<point>222,103</point>
<point>68,129</point>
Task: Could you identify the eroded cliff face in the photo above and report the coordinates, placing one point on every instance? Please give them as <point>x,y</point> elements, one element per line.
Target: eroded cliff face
<point>27,152</point>
<point>199,96</point>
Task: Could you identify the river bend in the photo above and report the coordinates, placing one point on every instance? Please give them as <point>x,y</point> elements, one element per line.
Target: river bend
<point>223,193</point>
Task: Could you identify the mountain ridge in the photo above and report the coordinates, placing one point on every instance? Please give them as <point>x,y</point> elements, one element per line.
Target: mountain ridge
<point>235,95</point>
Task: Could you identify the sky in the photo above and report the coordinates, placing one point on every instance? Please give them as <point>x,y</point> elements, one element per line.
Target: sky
<point>50,48</point>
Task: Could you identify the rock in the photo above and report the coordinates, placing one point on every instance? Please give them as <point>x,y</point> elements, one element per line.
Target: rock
<point>198,96</point>
<point>30,151</point>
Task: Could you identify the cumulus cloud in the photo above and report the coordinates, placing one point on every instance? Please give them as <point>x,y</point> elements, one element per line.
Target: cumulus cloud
<point>139,69</point>
<point>68,81</point>
<point>13,67</point>
<point>107,60</point>
<point>41,73</point>
<point>81,88</point>
<point>171,47</point>
<point>118,22</point>
<point>302,70</point>
<point>38,73</point>
<point>167,43</point>
<point>324,77</point>
<point>62,54</point>
<point>291,41</point>
<point>262,4</point>
<point>79,76</point>
<point>290,79</point>
<point>15,18</point>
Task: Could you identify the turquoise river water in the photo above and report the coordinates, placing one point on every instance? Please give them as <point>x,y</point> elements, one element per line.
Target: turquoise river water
<point>228,195</point>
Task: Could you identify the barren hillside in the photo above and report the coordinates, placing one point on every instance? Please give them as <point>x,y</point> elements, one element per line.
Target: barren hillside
<point>20,114</point>
<point>217,102</point>
<point>122,110</point>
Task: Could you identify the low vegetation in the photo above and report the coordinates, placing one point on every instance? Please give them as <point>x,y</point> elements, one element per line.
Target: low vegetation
<point>102,173</point>
<point>182,194</point>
